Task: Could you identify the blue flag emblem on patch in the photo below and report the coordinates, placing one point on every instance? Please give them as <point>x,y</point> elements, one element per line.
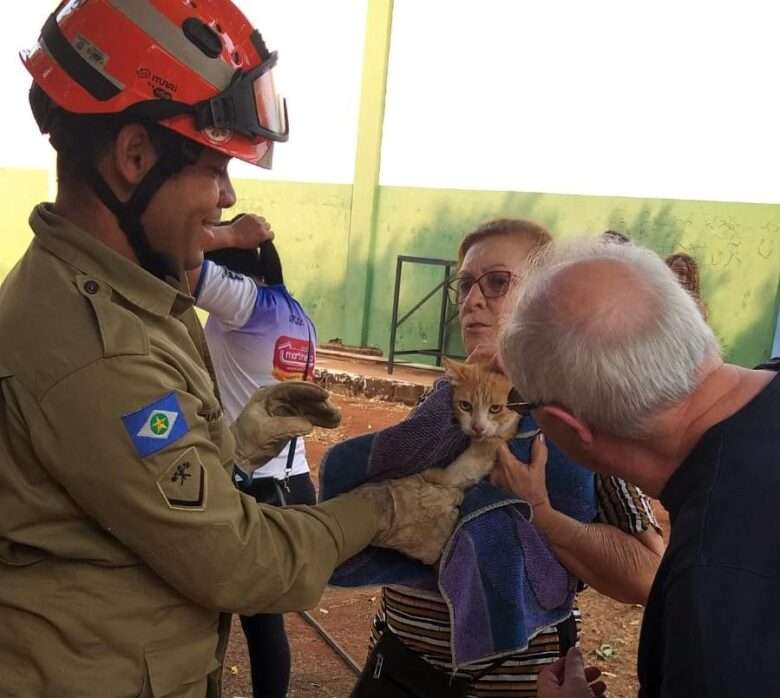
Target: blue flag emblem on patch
<point>156,426</point>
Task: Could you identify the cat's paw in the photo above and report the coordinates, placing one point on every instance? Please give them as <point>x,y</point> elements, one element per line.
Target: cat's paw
<point>486,449</point>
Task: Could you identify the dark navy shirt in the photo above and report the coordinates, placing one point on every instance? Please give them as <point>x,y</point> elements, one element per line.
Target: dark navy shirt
<point>712,623</point>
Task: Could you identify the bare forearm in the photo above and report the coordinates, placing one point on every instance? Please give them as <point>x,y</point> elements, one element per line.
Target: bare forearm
<point>222,236</point>
<point>610,560</point>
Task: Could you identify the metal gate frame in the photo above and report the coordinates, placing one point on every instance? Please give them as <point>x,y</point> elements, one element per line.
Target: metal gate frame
<point>444,321</point>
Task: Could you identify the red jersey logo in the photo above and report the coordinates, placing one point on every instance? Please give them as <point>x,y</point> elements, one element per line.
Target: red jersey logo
<point>291,358</point>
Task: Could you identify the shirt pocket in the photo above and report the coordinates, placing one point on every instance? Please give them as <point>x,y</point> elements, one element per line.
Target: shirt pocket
<point>179,670</point>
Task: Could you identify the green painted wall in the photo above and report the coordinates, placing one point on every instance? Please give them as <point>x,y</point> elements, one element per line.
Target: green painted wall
<point>311,223</point>
<point>737,245</point>
<point>340,242</point>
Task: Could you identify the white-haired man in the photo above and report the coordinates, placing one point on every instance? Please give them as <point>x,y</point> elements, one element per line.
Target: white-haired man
<point>624,374</point>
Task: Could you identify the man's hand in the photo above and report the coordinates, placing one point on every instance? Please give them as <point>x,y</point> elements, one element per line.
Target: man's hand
<point>568,678</point>
<point>526,480</point>
<point>246,231</point>
<point>275,414</point>
<point>417,517</point>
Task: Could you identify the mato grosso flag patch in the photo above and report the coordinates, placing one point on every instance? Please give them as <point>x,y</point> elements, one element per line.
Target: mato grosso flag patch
<point>156,426</point>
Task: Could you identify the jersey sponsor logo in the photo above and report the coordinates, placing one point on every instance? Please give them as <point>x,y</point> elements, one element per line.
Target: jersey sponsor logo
<point>229,274</point>
<point>156,426</point>
<point>291,358</point>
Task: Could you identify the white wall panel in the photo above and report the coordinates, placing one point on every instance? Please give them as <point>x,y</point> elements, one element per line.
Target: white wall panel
<point>609,97</point>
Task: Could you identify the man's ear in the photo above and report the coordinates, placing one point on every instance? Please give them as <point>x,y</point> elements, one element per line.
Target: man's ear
<point>568,421</point>
<point>132,155</point>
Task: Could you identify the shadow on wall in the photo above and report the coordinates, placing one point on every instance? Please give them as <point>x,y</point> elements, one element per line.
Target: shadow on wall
<point>311,223</point>
<point>437,232</point>
<point>737,247</point>
<point>752,342</point>
<point>430,231</point>
<point>734,244</point>
<point>725,249</point>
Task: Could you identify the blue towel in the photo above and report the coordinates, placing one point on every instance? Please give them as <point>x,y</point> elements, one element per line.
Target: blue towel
<point>497,574</point>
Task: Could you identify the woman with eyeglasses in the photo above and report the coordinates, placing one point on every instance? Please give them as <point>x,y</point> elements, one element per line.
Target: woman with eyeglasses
<point>617,554</point>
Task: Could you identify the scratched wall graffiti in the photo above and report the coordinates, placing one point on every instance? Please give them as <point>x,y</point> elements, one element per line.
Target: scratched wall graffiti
<point>713,240</point>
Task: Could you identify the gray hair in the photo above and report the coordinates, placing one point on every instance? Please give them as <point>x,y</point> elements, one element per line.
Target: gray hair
<point>613,360</point>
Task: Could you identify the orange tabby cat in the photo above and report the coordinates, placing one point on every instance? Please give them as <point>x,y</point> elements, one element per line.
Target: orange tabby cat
<point>479,403</point>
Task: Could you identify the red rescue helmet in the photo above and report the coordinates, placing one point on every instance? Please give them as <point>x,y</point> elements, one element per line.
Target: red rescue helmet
<point>197,67</point>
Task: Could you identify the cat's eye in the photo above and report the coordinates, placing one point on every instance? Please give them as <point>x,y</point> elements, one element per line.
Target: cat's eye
<point>464,405</point>
<point>495,409</point>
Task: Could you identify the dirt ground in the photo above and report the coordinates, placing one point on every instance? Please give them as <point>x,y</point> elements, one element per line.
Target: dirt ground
<point>610,629</point>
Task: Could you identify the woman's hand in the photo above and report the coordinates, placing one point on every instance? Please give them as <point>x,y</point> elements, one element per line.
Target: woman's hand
<point>569,678</point>
<point>246,231</point>
<point>526,480</point>
<point>250,230</point>
<point>619,564</point>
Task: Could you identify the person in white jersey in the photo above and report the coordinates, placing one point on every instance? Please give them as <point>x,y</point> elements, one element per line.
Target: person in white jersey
<point>258,334</point>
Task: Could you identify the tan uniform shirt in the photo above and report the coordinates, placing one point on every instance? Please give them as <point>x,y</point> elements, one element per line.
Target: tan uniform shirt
<point>122,537</point>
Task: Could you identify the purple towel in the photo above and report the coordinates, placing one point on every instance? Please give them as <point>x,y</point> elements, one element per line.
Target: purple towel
<point>499,577</point>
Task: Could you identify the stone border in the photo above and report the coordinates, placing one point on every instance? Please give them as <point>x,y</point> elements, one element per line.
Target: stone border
<point>355,385</point>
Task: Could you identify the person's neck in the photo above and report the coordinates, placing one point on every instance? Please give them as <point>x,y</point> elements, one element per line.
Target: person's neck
<point>83,209</point>
<point>650,462</point>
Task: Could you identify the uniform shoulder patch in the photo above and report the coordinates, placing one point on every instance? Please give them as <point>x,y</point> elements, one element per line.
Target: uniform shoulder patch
<point>156,426</point>
<point>183,485</point>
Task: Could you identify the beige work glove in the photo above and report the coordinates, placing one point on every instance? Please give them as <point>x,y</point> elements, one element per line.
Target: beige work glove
<point>417,517</point>
<point>274,415</point>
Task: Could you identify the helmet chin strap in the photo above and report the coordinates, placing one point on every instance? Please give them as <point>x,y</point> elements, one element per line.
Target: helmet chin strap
<point>174,153</point>
<point>172,159</point>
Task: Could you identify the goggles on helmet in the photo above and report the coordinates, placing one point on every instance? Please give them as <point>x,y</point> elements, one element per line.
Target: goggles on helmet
<point>192,67</point>
<point>249,106</point>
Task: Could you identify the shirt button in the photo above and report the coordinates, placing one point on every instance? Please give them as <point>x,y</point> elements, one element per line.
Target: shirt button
<point>91,287</point>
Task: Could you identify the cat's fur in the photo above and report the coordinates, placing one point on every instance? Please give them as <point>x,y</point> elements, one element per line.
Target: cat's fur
<point>479,404</point>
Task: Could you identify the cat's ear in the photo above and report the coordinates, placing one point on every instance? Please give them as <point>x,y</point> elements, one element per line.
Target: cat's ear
<point>452,369</point>
<point>496,365</point>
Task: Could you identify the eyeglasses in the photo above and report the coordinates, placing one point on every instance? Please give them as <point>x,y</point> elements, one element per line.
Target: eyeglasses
<point>493,284</point>
<point>522,407</point>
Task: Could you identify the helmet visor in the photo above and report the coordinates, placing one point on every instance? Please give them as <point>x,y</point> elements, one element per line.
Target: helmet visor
<point>249,106</point>
<point>271,108</point>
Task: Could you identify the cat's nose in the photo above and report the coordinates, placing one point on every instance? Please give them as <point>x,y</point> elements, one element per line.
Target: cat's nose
<point>478,429</point>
